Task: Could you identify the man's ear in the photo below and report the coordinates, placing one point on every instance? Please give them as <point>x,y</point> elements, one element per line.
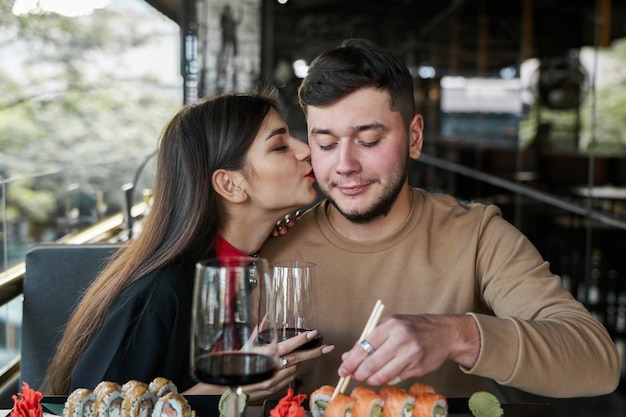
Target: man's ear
<point>227,184</point>
<point>416,136</point>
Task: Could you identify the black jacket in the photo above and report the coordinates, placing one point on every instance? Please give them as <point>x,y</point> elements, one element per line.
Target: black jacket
<point>146,333</point>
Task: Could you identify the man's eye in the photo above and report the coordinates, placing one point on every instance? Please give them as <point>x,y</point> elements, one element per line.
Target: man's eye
<point>327,147</point>
<point>370,144</point>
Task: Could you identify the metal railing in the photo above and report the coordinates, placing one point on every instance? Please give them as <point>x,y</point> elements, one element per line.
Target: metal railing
<point>114,228</point>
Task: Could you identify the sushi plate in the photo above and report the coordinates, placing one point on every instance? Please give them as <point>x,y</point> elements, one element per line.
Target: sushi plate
<point>457,407</point>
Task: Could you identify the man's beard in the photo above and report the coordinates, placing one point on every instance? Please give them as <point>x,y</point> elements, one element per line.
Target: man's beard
<point>381,207</point>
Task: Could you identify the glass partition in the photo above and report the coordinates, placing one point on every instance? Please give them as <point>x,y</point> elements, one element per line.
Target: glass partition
<point>45,207</point>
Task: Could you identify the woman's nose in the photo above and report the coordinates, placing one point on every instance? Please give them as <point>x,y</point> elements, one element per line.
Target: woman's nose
<point>303,151</point>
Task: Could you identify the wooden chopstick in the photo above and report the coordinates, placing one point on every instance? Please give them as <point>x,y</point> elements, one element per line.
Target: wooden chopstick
<point>377,311</point>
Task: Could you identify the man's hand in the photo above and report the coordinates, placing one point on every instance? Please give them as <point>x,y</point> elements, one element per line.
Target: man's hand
<point>411,346</point>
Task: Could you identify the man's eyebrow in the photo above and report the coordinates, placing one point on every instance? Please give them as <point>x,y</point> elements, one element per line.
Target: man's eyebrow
<point>320,131</point>
<point>277,131</point>
<point>370,126</point>
<point>359,128</point>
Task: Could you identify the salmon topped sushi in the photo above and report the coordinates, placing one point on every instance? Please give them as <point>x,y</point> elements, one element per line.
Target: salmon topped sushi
<point>418,388</point>
<point>431,404</point>
<point>318,400</point>
<point>398,402</point>
<point>340,406</point>
<point>361,390</point>
<point>367,403</point>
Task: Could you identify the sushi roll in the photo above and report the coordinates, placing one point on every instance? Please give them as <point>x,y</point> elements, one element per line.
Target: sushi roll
<point>431,405</point>
<point>161,386</point>
<point>318,400</point>
<point>138,402</point>
<point>131,384</point>
<point>398,402</point>
<point>106,386</point>
<point>340,406</point>
<point>172,404</point>
<point>108,400</point>
<point>367,403</point>
<point>361,390</point>
<point>79,403</point>
<point>418,388</point>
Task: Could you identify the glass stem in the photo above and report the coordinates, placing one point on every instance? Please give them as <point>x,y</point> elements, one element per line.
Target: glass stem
<point>238,391</point>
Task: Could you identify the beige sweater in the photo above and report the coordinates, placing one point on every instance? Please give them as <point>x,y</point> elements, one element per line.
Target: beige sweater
<point>451,258</point>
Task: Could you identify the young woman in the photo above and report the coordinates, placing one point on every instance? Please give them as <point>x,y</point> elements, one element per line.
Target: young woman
<point>227,170</point>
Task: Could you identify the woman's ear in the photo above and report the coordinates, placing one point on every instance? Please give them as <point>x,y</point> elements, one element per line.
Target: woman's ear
<point>228,184</point>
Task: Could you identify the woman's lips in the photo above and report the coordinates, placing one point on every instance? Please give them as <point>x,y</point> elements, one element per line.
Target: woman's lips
<point>310,174</point>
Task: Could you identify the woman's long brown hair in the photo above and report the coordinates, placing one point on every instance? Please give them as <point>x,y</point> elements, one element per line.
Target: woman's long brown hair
<point>182,224</point>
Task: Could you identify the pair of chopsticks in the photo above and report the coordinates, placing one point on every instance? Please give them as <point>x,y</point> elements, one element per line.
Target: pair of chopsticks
<point>369,326</point>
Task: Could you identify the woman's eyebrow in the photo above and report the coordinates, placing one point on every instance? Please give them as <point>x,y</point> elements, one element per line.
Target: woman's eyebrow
<point>277,131</point>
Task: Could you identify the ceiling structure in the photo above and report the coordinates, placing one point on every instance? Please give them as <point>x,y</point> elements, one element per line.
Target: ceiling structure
<point>477,37</point>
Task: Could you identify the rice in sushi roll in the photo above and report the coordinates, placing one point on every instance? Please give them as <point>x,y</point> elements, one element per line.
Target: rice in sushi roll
<point>172,404</point>
<point>161,386</point>
<point>398,402</point>
<point>431,404</point>
<point>340,406</point>
<point>138,401</point>
<point>108,401</point>
<point>367,403</point>
<point>79,403</point>
<point>318,400</point>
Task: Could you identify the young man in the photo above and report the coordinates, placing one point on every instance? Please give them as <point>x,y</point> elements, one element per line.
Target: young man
<point>467,295</point>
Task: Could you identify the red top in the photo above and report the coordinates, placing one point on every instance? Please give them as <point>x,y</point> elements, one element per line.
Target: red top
<point>224,249</point>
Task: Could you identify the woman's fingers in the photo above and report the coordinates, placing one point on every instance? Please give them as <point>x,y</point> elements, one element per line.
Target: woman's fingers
<point>289,354</point>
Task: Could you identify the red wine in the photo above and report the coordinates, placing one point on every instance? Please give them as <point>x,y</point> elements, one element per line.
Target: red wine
<point>234,369</point>
<point>289,332</point>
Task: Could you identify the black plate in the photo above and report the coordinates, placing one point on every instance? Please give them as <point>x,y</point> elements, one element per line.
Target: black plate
<point>203,405</point>
<point>457,407</point>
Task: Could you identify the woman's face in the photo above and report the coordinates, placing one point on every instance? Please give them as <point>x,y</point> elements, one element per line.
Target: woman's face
<point>278,171</point>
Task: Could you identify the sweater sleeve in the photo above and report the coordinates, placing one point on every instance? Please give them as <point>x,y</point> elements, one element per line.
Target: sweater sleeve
<point>541,339</point>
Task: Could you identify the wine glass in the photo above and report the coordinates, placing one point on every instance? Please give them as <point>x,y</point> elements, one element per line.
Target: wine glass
<point>297,301</point>
<point>229,294</point>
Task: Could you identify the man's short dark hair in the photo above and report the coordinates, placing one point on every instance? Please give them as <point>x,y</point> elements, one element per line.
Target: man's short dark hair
<point>355,64</point>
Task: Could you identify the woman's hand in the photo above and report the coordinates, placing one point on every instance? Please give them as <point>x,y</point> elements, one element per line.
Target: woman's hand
<point>289,359</point>
<point>285,223</point>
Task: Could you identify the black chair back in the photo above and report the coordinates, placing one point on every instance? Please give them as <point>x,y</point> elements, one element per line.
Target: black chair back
<point>56,277</point>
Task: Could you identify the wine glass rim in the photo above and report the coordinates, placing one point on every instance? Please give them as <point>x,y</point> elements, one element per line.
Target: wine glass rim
<point>292,264</point>
<point>230,260</point>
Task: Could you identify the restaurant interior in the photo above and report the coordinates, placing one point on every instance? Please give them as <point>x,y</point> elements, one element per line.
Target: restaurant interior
<point>569,198</point>
<point>505,87</point>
